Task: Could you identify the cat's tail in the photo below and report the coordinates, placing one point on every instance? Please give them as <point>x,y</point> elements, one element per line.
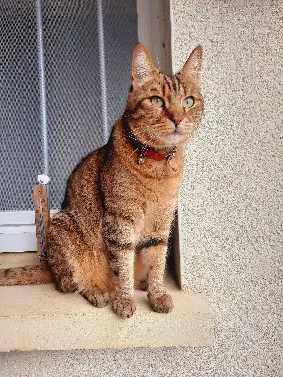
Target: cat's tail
<point>28,275</point>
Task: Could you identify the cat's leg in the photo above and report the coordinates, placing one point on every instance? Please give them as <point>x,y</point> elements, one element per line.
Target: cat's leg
<point>96,297</point>
<point>155,258</point>
<point>122,263</point>
<point>58,244</point>
<point>73,263</point>
<point>93,276</point>
<point>119,235</point>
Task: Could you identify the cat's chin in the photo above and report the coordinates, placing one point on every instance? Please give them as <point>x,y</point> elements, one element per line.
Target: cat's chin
<point>173,139</point>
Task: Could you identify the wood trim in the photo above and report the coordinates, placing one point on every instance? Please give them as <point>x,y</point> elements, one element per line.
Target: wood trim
<point>17,231</point>
<point>154,31</point>
<point>17,242</point>
<point>20,217</point>
<point>13,229</point>
<point>16,217</point>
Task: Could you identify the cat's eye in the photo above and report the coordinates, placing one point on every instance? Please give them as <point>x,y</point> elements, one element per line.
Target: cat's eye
<point>157,101</point>
<point>188,102</point>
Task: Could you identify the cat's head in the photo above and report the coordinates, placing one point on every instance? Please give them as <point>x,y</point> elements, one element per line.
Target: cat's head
<point>163,110</point>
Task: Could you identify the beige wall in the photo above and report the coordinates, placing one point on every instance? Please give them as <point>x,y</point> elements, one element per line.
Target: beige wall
<point>231,197</point>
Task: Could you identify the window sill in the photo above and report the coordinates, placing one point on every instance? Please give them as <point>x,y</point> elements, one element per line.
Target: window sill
<point>41,318</point>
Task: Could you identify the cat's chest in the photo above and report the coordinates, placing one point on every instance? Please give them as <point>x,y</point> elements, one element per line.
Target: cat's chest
<point>159,208</point>
<point>148,201</point>
<point>160,201</point>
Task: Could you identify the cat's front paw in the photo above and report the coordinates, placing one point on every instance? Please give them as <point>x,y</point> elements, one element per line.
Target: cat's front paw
<point>97,298</point>
<point>124,307</point>
<point>161,303</point>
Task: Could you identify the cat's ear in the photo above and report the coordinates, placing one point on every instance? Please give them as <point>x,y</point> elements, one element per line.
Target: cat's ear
<point>192,67</point>
<point>142,65</point>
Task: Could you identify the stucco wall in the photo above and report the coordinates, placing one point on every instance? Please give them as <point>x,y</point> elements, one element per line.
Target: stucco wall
<point>232,196</point>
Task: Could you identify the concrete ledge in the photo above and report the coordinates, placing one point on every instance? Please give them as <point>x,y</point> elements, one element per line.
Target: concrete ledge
<point>41,318</point>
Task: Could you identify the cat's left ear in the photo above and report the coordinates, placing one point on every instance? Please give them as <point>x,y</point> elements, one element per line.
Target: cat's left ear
<point>192,67</point>
<point>142,66</point>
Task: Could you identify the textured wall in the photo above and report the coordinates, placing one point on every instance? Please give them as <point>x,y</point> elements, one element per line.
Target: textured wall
<point>232,196</point>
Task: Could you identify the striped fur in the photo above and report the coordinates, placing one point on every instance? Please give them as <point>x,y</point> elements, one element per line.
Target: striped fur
<point>112,232</point>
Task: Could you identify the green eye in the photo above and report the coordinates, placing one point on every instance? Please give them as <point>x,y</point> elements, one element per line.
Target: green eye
<point>157,101</point>
<point>188,102</point>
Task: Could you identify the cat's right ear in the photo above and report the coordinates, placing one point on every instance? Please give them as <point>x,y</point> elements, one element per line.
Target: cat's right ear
<point>142,66</point>
<point>192,67</point>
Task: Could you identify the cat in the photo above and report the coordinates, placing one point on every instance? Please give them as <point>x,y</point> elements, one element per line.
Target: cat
<point>111,235</point>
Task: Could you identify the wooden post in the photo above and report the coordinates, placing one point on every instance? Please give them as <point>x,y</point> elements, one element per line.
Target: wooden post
<point>41,218</point>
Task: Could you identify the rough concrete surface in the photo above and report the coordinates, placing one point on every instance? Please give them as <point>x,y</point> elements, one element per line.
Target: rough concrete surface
<point>41,318</point>
<point>232,193</point>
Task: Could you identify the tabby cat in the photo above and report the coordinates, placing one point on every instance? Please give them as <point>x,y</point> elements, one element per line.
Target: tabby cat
<point>111,235</point>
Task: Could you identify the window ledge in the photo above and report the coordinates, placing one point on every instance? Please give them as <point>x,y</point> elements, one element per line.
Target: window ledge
<point>41,318</point>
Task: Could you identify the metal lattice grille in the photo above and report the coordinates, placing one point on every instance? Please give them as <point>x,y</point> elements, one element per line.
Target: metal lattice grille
<point>20,135</point>
<point>73,89</point>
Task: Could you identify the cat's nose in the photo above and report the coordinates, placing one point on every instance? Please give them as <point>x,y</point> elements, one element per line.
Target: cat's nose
<point>176,117</point>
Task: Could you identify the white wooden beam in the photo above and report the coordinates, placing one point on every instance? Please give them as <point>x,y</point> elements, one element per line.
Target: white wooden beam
<point>18,239</point>
<point>154,31</point>
<point>17,231</point>
<point>16,217</point>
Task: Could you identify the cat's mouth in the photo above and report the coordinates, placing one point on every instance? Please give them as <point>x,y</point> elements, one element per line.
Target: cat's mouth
<point>176,137</point>
<point>177,131</point>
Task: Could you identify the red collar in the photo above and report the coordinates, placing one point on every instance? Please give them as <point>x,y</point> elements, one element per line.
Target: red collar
<point>144,150</point>
<point>155,155</point>
<point>159,157</point>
